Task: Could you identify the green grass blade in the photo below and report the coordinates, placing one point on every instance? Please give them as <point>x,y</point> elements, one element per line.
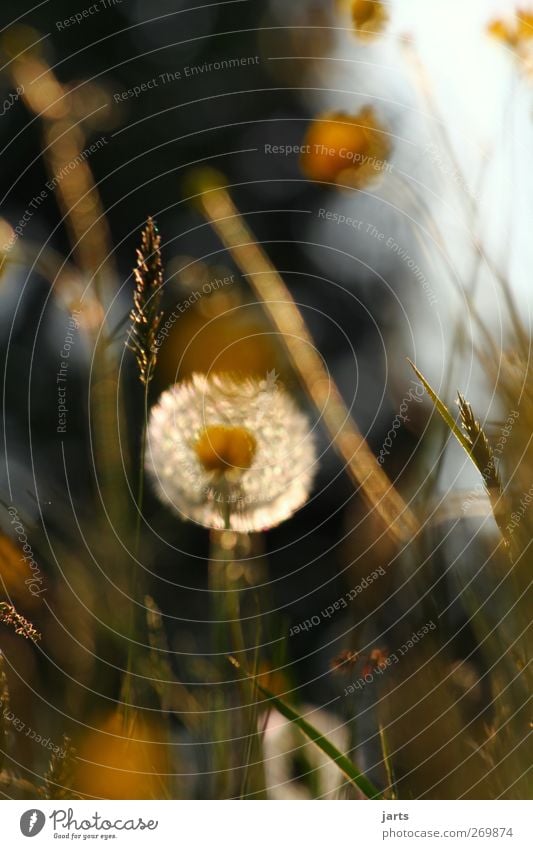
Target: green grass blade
<point>343,763</point>
<point>481,466</point>
<point>388,763</point>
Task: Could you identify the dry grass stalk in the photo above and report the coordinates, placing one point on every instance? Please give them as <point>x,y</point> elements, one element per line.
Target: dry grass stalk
<point>67,159</point>
<point>64,153</point>
<point>58,777</point>
<point>483,457</point>
<point>13,787</point>
<point>481,450</point>
<point>146,314</point>
<point>10,617</point>
<point>173,695</point>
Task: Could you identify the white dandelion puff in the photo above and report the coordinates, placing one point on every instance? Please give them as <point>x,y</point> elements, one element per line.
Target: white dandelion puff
<point>230,453</point>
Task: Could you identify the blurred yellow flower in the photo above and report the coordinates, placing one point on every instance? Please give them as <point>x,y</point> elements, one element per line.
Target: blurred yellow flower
<point>347,149</point>
<point>16,577</point>
<point>118,763</point>
<point>369,17</point>
<point>230,453</point>
<point>500,29</point>
<point>215,330</point>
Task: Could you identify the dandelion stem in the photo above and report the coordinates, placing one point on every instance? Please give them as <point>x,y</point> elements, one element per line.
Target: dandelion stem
<point>226,548</point>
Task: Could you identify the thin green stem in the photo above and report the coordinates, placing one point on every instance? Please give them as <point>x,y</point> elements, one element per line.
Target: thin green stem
<point>253,742</point>
<point>127,690</point>
<point>389,770</point>
<point>357,778</point>
<point>140,483</point>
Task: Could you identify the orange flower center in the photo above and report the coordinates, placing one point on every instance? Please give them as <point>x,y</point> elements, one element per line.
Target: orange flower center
<point>220,448</point>
<point>363,11</point>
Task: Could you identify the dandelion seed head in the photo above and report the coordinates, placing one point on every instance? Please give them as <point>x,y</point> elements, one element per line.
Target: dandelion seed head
<point>222,450</point>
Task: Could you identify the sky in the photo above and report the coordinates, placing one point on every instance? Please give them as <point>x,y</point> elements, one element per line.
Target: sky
<point>452,88</point>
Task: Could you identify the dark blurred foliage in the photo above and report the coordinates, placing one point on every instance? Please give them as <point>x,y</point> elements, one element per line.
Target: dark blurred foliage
<point>223,119</point>
<point>154,139</point>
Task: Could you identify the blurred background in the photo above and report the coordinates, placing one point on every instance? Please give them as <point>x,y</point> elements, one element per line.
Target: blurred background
<point>106,119</point>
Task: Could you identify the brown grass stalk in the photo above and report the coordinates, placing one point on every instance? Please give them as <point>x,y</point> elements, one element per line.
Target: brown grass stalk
<point>13,619</point>
<point>376,488</point>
